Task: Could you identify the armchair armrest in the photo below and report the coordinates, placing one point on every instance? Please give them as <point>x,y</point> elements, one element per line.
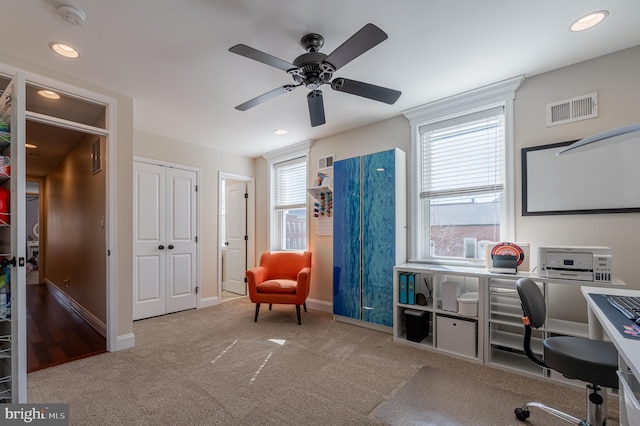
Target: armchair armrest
<point>304,281</point>
<point>254,277</point>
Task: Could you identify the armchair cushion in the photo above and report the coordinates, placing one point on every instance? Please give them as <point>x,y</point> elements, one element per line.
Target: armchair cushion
<point>281,286</point>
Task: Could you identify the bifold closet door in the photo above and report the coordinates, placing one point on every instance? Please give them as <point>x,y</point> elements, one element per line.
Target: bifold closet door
<point>164,240</point>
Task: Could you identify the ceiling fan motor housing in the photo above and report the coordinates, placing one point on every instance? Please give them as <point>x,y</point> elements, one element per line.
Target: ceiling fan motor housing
<point>311,70</point>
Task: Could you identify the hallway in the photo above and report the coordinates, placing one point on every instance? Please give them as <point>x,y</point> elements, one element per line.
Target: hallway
<point>55,333</point>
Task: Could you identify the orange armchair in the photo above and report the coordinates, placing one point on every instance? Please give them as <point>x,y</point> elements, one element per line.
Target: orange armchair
<point>282,277</point>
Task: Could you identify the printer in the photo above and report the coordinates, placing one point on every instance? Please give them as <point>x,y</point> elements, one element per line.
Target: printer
<point>580,263</point>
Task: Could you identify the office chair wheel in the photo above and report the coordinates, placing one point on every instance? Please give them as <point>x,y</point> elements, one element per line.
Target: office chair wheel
<point>522,414</point>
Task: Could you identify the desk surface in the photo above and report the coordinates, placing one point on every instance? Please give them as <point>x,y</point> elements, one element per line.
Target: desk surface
<point>628,349</point>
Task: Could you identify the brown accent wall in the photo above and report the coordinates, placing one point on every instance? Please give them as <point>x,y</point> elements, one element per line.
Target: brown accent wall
<point>75,243</point>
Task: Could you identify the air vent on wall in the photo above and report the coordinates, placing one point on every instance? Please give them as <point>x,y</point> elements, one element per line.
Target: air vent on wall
<point>325,162</point>
<point>574,109</point>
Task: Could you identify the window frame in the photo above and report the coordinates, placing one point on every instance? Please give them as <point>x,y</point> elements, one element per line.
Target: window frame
<point>299,150</point>
<point>487,97</point>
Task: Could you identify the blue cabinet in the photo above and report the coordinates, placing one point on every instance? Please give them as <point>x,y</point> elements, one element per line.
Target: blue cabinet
<point>369,234</point>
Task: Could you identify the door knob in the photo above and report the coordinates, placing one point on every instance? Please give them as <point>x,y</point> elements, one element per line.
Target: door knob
<point>161,247</point>
<point>226,243</point>
<point>170,247</point>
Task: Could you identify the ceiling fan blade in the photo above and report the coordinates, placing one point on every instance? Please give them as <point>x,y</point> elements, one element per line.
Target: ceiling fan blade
<point>368,37</point>
<point>265,58</point>
<point>366,90</point>
<point>316,108</point>
<point>265,97</point>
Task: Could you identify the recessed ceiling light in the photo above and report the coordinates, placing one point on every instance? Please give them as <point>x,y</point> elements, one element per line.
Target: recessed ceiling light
<point>589,21</point>
<point>30,145</point>
<point>280,132</point>
<point>64,50</point>
<point>48,94</point>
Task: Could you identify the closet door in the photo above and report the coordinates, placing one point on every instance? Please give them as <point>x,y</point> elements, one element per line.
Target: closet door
<point>165,260</point>
<point>180,239</point>
<point>379,237</point>
<point>149,286</point>
<point>346,238</point>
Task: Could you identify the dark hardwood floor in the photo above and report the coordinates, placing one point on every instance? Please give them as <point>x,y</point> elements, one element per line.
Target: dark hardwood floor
<point>55,333</point>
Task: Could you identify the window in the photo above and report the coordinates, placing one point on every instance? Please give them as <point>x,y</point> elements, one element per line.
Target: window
<point>462,183</point>
<point>462,175</point>
<point>287,168</point>
<point>291,204</point>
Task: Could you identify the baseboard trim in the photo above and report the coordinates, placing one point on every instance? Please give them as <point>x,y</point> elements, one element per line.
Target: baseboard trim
<point>207,302</point>
<point>126,341</point>
<point>87,316</point>
<point>320,305</point>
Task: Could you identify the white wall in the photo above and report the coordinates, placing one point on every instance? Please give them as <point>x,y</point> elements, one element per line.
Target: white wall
<point>210,162</point>
<point>614,77</point>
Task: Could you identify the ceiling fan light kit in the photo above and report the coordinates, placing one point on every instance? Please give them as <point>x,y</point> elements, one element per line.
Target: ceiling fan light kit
<point>314,69</point>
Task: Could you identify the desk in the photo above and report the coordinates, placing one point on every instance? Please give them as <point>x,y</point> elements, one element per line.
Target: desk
<point>628,349</point>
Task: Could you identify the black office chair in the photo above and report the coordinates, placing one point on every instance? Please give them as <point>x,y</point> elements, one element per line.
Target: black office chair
<point>592,361</point>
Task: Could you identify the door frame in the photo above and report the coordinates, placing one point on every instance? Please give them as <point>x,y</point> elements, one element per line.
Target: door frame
<point>251,242</point>
<point>42,236</point>
<point>114,343</point>
<point>198,173</point>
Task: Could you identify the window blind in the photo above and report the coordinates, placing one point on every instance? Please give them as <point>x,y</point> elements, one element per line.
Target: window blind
<point>463,156</point>
<point>291,184</point>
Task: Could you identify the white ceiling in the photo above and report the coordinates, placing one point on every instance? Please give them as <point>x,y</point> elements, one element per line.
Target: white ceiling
<point>172,57</point>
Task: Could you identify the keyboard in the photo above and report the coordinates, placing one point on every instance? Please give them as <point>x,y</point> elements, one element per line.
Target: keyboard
<point>628,305</point>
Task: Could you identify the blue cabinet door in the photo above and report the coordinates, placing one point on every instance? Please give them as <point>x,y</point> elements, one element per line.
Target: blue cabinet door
<point>379,237</point>
<point>346,238</point>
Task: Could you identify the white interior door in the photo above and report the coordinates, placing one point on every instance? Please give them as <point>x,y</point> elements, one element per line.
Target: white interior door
<point>149,227</point>
<point>181,240</point>
<point>236,231</point>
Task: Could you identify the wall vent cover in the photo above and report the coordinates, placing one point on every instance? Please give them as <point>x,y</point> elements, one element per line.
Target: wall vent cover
<point>325,162</point>
<point>574,109</point>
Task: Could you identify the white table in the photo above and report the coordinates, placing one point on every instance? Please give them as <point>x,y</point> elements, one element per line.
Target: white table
<point>628,349</point>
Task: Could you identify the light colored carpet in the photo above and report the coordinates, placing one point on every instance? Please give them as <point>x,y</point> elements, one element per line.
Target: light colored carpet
<point>215,366</point>
<point>440,398</point>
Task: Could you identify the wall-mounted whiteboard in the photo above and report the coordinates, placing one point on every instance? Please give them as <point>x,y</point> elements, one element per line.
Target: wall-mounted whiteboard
<point>601,180</point>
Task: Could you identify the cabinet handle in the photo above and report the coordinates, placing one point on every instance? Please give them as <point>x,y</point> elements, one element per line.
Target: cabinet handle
<point>161,247</point>
<point>170,247</point>
<point>369,308</point>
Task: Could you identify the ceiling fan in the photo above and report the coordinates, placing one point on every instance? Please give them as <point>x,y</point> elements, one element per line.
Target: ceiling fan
<point>313,69</point>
